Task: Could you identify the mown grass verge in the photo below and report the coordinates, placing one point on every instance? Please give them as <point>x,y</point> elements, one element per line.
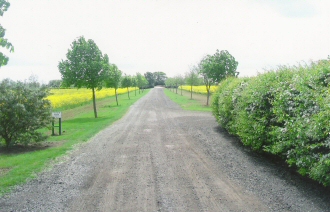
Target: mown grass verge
<point>196,104</point>
<point>20,164</point>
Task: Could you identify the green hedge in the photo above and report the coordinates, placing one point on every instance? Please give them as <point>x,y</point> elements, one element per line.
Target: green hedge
<point>285,112</point>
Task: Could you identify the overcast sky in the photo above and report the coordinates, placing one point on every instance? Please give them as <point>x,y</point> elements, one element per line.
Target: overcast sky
<point>168,36</point>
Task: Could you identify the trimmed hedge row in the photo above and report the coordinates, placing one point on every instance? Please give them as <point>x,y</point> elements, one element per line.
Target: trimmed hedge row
<point>285,112</point>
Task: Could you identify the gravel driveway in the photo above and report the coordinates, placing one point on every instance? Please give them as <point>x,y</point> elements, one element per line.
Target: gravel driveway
<point>161,158</point>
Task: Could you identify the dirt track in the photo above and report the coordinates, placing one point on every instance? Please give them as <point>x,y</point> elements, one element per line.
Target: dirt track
<point>161,158</point>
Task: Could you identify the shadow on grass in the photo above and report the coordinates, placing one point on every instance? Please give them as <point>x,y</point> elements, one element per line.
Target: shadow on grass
<point>86,120</point>
<point>21,149</point>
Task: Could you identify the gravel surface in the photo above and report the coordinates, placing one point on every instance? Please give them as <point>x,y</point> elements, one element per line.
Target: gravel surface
<point>161,158</point>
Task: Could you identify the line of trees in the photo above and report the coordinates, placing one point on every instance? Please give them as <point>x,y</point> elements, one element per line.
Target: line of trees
<point>87,67</point>
<point>211,70</point>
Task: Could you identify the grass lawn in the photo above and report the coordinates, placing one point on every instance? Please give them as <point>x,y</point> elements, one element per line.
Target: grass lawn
<point>198,101</point>
<point>19,164</point>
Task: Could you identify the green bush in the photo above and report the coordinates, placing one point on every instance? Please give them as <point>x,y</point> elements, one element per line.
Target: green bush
<point>223,108</point>
<point>23,110</point>
<point>283,112</point>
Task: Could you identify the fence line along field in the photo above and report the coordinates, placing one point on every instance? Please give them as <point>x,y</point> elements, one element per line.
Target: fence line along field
<point>68,98</point>
<point>199,89</point>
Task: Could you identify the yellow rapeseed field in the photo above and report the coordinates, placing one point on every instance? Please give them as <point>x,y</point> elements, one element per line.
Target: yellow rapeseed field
<point>66,98</point>
<point>200,88</point>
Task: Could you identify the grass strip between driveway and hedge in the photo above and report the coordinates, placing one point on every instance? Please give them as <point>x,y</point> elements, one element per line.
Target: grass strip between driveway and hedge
<point>20,164</point>
<point>197,103</point>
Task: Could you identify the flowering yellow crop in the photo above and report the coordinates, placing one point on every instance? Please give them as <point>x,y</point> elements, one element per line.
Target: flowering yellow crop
<point>200,89</point>
<point>72,97</point>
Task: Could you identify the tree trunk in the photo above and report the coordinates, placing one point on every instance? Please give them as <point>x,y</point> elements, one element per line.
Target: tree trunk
<point>208,95</point>
<point>191,92</point>
<point>128,93</point>
<point>7,141</point>
<point>94,103</point>
<point>181,89</point>
<point>116,96</point>
<point>135,91</point>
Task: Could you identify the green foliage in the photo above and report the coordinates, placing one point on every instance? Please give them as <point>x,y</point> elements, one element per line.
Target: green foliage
<point>217,67</point>
<point>155,78</point>
<point>54,83</point>
<point>79,128</point>
<point>150,78</point>
<point>225,99</point>
<point>186,103</point>
<point>23,110</point>
<point>283,112</point>
<point>126,82</point>
<point>141,81</point>
<point>112,78</point>
<point>85,66</point>
<point>191,78</point>
<point>4,5</point>
<point>160,78</point>
<point>170,82</point>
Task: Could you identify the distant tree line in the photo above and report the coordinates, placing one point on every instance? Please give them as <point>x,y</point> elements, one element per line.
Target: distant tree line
<point>211,70</point>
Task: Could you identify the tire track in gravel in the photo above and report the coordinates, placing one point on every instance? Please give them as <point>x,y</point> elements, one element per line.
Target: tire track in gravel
<point>161,158</point>
<point>208,188</point>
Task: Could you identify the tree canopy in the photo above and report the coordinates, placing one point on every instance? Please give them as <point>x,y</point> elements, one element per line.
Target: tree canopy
<point>192,78</point>
<point>126,82</point>
<point>217,67</point>
<point>160,78</point>
<point>150,78</point>
<point>112,78</point>
<point>85,66</point>
<point>4,5</point>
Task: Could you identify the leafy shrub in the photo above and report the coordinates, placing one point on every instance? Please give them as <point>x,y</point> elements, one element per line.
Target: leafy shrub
<point>284,112</point>
<point>23,110</point>
<point>224,100</point>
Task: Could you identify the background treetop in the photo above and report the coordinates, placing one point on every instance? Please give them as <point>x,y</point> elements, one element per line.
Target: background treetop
<point>4,5</point>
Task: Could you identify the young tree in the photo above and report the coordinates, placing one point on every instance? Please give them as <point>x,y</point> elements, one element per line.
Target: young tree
<point>217,67</point>
<point>134,83</point>
<point>84,67</point>
<point>169,83</point>
<point>112,79</point>
<point>126,83</point>
<point>54,83</point>
<point>139,81</point>
<point>144,83</point>
<point>192,78</point>
<point>150,78</point>
<point>4,5</point>
<point>180,81</point>
<point>24,109</point>
<point>160,78</point>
